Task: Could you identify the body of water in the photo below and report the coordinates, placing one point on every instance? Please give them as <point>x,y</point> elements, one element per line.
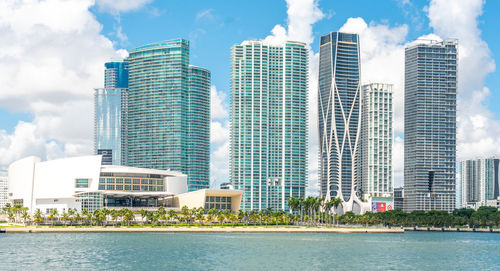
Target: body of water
<point>250,251</point>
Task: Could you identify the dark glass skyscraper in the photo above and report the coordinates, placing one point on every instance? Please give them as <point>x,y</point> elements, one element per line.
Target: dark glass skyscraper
<point>430,125</point>
<point>169,111</point>
<point>339,118</point>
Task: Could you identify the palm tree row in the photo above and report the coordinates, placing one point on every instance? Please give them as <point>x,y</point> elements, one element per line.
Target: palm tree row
<point>313,210</point>
<point>115,217</point>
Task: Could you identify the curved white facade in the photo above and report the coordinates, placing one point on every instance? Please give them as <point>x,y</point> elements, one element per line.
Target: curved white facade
<point>59,183</point>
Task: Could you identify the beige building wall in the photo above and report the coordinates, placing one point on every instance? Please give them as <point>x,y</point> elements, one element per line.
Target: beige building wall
<point>197,198</point>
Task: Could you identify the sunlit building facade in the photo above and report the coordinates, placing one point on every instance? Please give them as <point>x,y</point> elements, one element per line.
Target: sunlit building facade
<point>110,105</point>
<point>168,116</point>
<point>376,141</point>
<point>430,125</point>
<point>269,110</point>
<point>339,116</point>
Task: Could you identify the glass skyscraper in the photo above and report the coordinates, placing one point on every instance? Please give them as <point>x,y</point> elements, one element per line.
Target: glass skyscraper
<point>198,147</point>
<point>480,180</point>
<point>376,141</point>
<point>339,101</point>
<point>169,111</point>
<point>116,74</point>
<point>109,113</point>
<point>269,123</point>
<point>430,125</point>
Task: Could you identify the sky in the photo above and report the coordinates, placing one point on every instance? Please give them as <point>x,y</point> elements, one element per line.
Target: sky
<point>52,55</point>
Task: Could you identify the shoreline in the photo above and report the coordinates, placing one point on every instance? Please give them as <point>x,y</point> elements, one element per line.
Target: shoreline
<point>195,229</point>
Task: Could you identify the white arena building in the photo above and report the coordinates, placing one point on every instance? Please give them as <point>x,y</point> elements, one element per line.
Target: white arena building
<point>83,183</point>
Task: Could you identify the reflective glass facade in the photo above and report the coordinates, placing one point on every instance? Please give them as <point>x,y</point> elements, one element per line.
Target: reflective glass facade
<point>430,125</point>
<point>109,123</point>
<point>376,141</point>
<point>269,123</point>
<point>339,117</point>
<point>198,150</point>
<point>168,111</point>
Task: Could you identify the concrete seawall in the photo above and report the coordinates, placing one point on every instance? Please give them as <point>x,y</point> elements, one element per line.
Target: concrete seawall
<point>451,229</point>
<point>203,230</point>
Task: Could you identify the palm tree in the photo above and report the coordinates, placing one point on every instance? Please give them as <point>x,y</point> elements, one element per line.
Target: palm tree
<point>172,214</point>
<point>25,216</point>
<point>186,213</point>
<point>38,217</point>
<point>211,214</point>
<point>200,215</point>
<point>53,215</point>
<point>6,208</point>
<point>220,217</point>
<point>143,213</point>
<point>114,216</point>
<point>161,213</point>
<point>128,216</point>
<point>11,216</point>
<point>64,217</point>
<point>87,215</point>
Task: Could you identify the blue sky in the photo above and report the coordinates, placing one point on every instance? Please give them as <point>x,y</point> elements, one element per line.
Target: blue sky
<point>231,22</point>
<point>52,54</point>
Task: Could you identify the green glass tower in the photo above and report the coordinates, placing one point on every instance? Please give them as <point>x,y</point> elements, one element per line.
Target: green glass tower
<point>269,123</point>
<point>169,111</point>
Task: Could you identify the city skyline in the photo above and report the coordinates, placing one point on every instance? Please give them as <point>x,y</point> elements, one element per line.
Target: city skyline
<point>49,140</point>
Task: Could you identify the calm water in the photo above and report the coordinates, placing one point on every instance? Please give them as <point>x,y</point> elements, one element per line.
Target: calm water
<point>175,251</point>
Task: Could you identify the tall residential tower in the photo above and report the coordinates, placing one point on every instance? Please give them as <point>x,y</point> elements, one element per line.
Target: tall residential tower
<point>169,111</point>
<point>269,122</point>
<point>376,143</point>
<point>430,125</point>
<point>339,119</point>
<point>110,114</point>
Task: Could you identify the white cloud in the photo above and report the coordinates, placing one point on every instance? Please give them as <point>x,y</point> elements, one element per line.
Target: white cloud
<point>382,60</point>
<point>478,127</point>
<point>218,104</point>
<point>219,137</point>
<point>117,6</point>
<point>51,57</point>
<point>206,14</point>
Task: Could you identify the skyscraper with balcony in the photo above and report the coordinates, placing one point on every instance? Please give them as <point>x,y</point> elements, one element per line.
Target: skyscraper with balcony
<point>339,102</point>
<point>376,141</point>
<point>116,74</point>
<point>269,123</point>
<point>480,179</point>
<point>169,111</point>
<point>110,113</point>
<point>430,125</point>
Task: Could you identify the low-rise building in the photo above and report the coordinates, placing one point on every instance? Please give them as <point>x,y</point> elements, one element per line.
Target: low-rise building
<point>84,183</point>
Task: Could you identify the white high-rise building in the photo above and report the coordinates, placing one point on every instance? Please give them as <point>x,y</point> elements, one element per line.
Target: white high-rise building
<point>269,123</point>
<point>376,141</point>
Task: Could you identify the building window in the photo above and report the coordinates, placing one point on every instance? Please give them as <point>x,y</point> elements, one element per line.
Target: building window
<point>82,183</point>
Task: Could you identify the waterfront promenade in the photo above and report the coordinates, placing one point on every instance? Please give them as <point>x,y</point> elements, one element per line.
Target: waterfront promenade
<point>194,229</point>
